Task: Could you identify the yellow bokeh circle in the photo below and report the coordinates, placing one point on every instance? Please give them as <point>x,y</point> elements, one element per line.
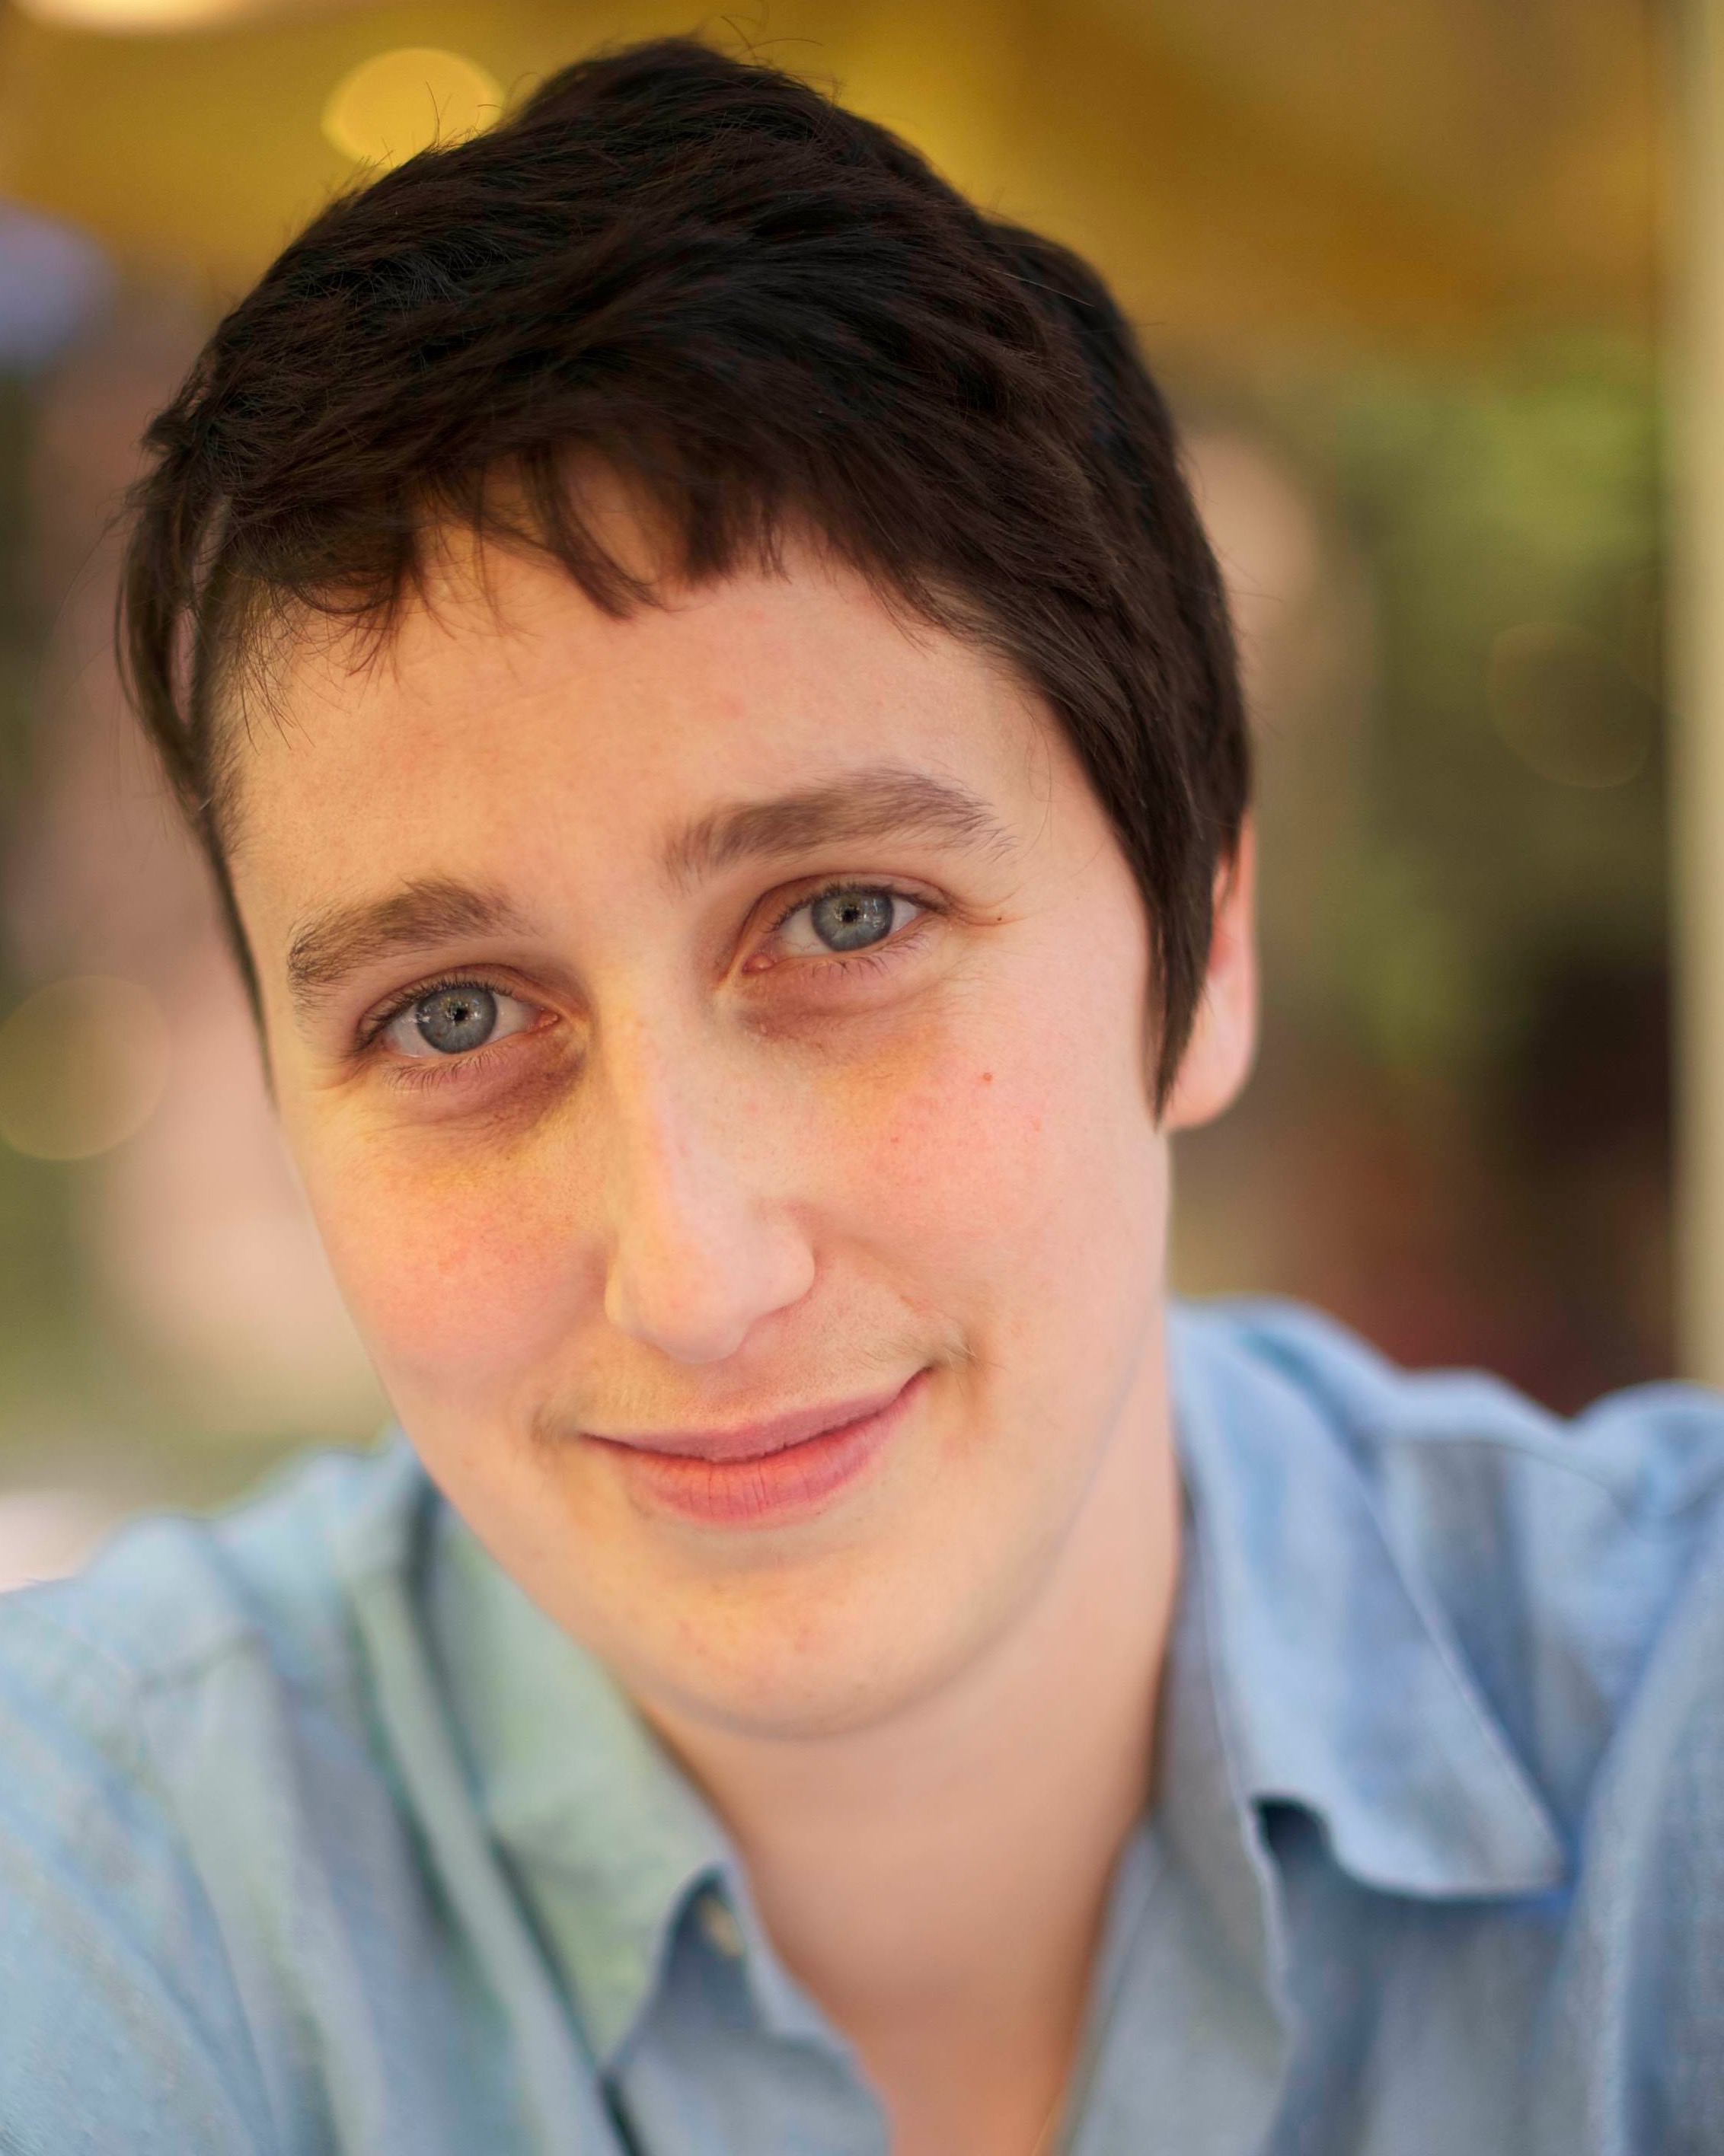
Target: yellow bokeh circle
<point>83,1065</point>
<point>399,102</point>
<point>136,16</point>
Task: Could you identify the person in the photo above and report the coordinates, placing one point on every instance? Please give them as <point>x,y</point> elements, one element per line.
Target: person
<point>712,716</point>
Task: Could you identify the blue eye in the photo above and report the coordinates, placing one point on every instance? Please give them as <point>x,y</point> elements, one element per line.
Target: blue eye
<point>844,919</point>
<point>852,920</point>
<point>455,1018</point>
<point>452,1019</point>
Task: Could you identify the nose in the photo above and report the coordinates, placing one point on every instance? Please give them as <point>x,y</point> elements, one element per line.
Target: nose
<point>700,1250</point>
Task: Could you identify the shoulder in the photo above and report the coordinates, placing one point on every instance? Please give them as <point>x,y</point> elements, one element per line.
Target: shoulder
<point>151,1714</point>
<point>1656,1451</point>
<point>1568,1581</point>
<point>1556,1557</point>
<point>170,1596</point>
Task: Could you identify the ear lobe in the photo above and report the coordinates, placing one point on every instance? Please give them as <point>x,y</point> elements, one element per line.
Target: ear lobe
<point>1223,1043</point>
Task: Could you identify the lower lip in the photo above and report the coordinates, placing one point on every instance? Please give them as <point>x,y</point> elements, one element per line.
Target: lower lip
<point>773,1489</point>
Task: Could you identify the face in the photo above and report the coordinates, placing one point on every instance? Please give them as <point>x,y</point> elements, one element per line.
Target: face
<point>713,1043</point>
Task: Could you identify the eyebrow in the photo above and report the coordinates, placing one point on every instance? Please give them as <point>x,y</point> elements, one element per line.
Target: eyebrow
<point>334,944</point>
<point>883,802</point>
<point>886,800</point>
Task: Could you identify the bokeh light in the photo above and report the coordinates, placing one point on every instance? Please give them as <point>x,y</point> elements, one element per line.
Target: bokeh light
<point>398,103</point>
<point>53,279</point>
<point>1567,706</point>
<point>136,15</point>
<point>83,1065</point>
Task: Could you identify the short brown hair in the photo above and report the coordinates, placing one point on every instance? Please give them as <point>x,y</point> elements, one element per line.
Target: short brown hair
<point>755,306</point>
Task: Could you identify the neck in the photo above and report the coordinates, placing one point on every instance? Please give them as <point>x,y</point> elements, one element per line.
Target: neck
<point>936,1880</point>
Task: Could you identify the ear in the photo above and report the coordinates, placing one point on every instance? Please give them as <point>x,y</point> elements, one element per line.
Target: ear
<point>1218,1056</point>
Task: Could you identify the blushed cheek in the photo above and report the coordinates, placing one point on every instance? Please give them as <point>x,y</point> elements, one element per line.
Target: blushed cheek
<point>979,1171</point>
<point>1007,1166</point>
<point>458,1279</point>
<point>947,1149</point>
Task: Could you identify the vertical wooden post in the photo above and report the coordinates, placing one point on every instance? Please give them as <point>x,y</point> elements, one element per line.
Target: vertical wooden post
<point>1697,473</point>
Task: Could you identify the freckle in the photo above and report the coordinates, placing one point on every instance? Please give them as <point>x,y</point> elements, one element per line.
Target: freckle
<point>987,1077</point>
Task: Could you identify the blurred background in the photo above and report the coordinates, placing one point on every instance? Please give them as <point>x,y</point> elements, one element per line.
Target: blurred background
<point>1401,270</point>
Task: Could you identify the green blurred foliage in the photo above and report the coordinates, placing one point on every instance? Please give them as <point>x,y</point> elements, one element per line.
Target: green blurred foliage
<point>1482,500</point>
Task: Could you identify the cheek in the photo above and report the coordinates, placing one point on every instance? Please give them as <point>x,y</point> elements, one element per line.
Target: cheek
<point>1022,1160</point>
<point>463,1274</point>
<point>989,1168</point>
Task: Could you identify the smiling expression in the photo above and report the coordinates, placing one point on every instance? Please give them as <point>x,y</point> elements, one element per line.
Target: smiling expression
<point>714,1044</point>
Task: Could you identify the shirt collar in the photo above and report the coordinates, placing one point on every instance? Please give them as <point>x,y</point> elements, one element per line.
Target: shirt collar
<point>1338,1685</point>
<point>609,1840</point>
<point>1335,1684</point>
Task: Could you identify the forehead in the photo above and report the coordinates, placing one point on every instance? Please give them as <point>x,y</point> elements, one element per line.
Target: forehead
<point>505,705</point>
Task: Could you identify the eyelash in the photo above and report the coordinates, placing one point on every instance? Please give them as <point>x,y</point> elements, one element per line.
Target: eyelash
<point>374,1028</point>
<point>872,959</point>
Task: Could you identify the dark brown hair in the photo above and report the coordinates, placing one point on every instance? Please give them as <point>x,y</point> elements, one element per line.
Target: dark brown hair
<point>756,307</point>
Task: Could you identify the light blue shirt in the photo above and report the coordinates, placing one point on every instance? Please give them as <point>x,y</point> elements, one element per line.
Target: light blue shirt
<point>315,1836</point>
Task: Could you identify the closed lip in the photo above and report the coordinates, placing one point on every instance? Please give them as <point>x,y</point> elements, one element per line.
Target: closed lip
<point>755,1440</point>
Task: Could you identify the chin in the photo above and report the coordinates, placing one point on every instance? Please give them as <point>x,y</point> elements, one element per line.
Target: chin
<point>827,1650</point>
<point>781,1699</point>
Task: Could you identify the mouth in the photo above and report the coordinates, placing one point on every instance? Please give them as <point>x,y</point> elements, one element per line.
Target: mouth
<point>761,1474</point>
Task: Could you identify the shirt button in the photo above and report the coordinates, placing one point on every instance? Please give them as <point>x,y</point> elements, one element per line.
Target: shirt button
<point>723,1932</point>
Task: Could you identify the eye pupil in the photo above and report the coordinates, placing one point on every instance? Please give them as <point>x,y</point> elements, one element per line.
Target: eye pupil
<point>452,1019</point>
<point>849,920</point>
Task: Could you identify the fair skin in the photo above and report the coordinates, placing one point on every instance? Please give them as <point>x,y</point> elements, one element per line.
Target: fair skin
<point>617,1155</point>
